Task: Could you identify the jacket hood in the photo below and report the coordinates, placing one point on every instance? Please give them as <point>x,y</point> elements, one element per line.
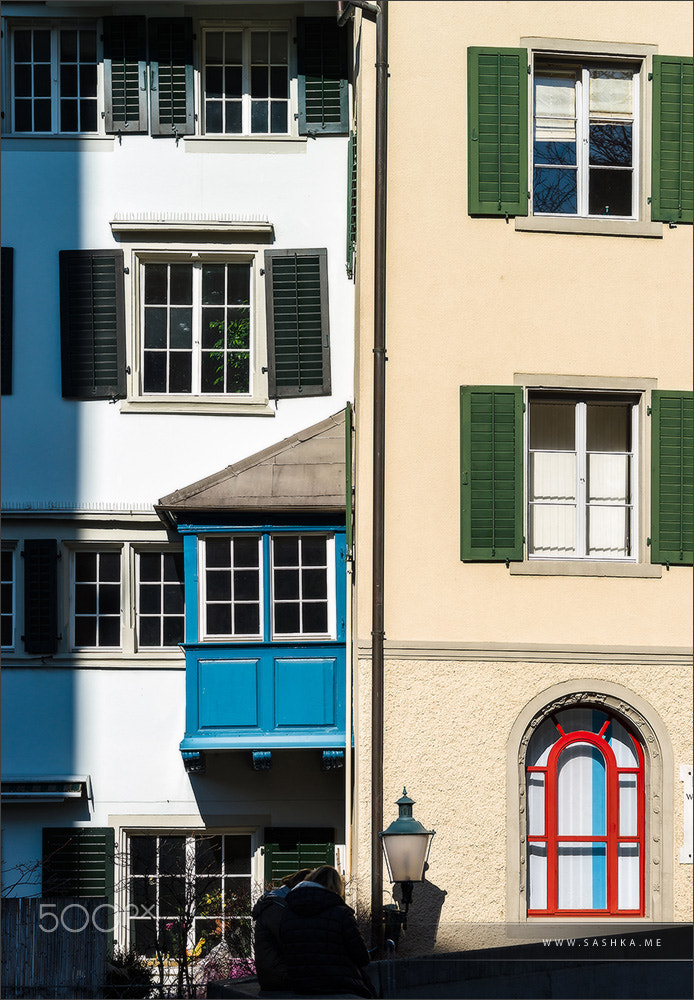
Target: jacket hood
<point>270,898</point>
<point>307,900</point>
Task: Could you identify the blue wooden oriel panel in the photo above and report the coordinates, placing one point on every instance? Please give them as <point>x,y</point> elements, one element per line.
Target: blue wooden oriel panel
<point>228,694</point>
<point>265,696</point>
<point>305,691</point>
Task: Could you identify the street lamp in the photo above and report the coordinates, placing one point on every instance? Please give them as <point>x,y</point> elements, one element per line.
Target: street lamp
<point>406,845</point>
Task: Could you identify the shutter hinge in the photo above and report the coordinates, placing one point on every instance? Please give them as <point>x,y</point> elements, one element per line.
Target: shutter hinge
<point>648,541</point>
<point>523,405</point>
<point>262,270</point>
<point>530,69</point>
<point>650,76</point>
<point>648,411</point>
<point>649,200</point>
<point>126,270</point>
<point>508,563</point>
<point>667,565</point>
<point>464,479</point>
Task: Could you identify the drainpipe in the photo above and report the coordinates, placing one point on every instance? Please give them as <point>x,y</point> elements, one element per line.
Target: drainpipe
<point>380,9</point>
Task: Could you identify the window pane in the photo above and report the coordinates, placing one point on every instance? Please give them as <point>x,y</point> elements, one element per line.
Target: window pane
<point>246,619</point>
<point>218,552</point>
<point>582,876</point>
<point>237,855</point>
<point>173,631</point>
<point>213,82</point>
<point>233,43</point>
<point>181,284</point>
<point>213,117</point>
<point>208,855</point>
<point>537,876</point>
<point>610,192</point>
<point>628,877</point>
<point>314,583</point>
<point>155,283</point>
<point>150,631</point>
<point>536,803</point>
<point>213,284</point>
<point>286,550</point>
<point>218,585</point>
<point>68,46</point>
<point>233,124</point>
<point>555,191</point>
<point>181,335</point>
<point>622,744</point>
<point>609,478</point>
<point>287,618</point>
<point>246,552</point>
<point>237,372</point>
<point>542,740</point>
<point>259,116</point>
<point>42,81</point>
<point>610,145</point>
<point>213,41</point>
<point>180,372</point>
<point>219,619</point>
<point>259,47</point>
<point>552,530</point>
<point>154,376</point>
<point>608,531</point>
<point>553,426</point>
<point>611,91</point>
<point>581,791</point>
<point>278,117</point>
<point>246,585</point>
<point>628,806</point>
<point>315,618</point>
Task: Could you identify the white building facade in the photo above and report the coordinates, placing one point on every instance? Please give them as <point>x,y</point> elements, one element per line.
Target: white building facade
<point>176,298</point>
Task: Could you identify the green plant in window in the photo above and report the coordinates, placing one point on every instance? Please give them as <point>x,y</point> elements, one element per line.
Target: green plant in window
<point>229,355</point>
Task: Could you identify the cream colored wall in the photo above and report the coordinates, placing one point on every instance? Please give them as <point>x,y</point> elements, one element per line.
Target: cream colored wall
<point>473,301</point>
<point>452,752</point>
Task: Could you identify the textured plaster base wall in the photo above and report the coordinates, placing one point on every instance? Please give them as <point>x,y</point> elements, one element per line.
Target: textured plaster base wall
<point>446,737</point>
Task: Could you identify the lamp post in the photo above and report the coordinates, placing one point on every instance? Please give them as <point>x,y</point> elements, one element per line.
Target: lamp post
<point>406,845</point>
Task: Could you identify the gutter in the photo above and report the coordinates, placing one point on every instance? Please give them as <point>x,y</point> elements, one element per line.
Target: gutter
<point>378,540</point>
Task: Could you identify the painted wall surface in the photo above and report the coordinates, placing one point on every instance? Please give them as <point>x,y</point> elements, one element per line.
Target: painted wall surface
<point>476,301</point>
<point>119,716</point>
<point>471,301</point>
<point>62,194</point>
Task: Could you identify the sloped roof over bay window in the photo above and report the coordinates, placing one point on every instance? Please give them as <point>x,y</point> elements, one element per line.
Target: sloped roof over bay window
<point>304,472</point>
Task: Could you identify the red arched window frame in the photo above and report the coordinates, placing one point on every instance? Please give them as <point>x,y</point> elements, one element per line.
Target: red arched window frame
<point>612,837</point>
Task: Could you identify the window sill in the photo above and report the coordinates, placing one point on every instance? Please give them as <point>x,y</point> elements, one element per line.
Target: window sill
<point>59,144</point>
<point>250,408</point>
<point>588,227</point>
<point>566,567</point>
<point>245,144</point>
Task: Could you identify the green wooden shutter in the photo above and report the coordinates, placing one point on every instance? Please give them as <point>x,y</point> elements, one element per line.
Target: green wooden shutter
<point>92,324</point>
<point>497,131</point>
<point>6,302</point>
<point>296,284</point>
<point>125,74</point>
<point>491,484</point>
<point>322,70</point>
<point>672,197</point>
<point>171,69</point>
<point>672,476</point>
<point>78,861</point>
<point>287,849</point>
<point>351,202</point>
<point>41,596</point>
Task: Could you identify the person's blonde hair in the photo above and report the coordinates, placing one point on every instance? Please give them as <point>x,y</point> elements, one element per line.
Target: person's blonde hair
<point>329,878</point>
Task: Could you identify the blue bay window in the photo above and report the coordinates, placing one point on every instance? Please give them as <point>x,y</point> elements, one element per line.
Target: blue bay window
<point>265,636</point>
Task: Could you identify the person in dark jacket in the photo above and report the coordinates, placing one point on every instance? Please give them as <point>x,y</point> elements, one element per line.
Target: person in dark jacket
<point>267,913</point>
<point>320,941</point>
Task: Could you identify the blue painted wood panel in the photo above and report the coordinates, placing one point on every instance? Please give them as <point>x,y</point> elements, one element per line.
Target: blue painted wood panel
<point>265,696</point>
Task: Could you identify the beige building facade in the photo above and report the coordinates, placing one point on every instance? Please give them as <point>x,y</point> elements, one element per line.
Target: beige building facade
<point>537,656</point>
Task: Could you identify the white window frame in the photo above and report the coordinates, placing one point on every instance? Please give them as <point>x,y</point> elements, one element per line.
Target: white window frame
<point>190,834</point>
<point>580,71</point>
<point>246,27</point>
<point>580,385</point>
<point>330,590</point>
<point>9,551</point>
<point>572,52</point>
<point>581,502</point>
<point>98,548</point>
<point>202,576</point>
<point>54,26</point>
<point>256,401</point>
<point>137,552</point>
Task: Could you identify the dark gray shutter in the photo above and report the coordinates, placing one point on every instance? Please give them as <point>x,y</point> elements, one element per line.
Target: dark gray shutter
<point>78,861</point>
<point>322,70</point>
<point>672,477</point>
<point>6,301</point>
<point>296,284</point>
<point>41,596</point>
<point>125,74</point>
<point>491,473</point>
<point>351,202</point>
<point>171,76</point>
<point>92,324</point>
<point>497,131</point>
